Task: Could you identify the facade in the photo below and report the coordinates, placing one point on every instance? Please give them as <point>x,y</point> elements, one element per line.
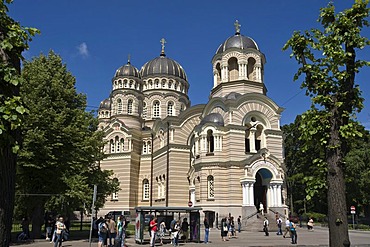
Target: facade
<point>224,156</point>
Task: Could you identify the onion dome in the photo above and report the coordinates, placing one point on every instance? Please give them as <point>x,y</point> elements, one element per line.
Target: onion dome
<point>105,104</point>
<point>127,70</point>
<point>214,118</point>
<point>237,41</point>
<point>233,95</point>
<point>163,66</point>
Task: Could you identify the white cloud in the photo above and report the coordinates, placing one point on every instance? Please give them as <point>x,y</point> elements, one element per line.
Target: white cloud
<point>82,50</point>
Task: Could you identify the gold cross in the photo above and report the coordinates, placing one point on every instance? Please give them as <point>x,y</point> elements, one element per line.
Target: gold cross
<point>237,26</point>
<point>163,41</point>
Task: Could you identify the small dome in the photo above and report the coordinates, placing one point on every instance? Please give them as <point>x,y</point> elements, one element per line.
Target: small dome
<point>233,95</point>
<point>163,66</point>
<point>105,104</point>
<point>127,70</point>
<point>214,118</point>
<point>237,41</point>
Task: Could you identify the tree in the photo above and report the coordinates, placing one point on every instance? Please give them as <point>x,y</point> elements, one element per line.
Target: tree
<point>13,41</point>
<point>328,60</point>
<point>59,160</point>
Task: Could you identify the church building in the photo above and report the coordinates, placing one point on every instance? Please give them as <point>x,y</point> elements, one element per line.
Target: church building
<point>225,156</point>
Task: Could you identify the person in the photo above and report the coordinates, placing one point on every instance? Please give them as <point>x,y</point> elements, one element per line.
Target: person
<point>228,222</point>
<point>239,223</point>
<point>293,232</point>
<point>206,230</point>
<point>121,229</point>
<point>111,231</point>
<point>261,208</point>
<point>59,231</point>
<point>310,224</point>
<point>279,222</point>
<point>25,227</point>
<point>266,226</point>
<point>224,229</point>
<point>153,231</point>
<point>173,231</point>
<point>162,231</point>
<point>232,227</point>
<point>48,226</point>
<point>185,229</point>
<point>102,233</point>
<point>287,228</point>
<point>177,230</point>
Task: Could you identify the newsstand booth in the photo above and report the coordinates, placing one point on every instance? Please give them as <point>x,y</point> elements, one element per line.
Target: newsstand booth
<point>145,214</point>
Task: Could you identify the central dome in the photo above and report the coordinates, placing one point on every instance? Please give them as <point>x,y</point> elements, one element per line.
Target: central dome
<point>163,66</point>
<point>237,41</point>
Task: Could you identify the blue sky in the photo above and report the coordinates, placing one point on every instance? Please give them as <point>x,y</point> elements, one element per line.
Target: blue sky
<point>94,38</point>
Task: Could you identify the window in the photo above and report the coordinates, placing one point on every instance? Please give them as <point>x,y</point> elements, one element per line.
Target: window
<point>144,110</point>
<point>118,144</point>
<point>211,187</point>
<point>233,69</point>
<point>146,189</point>
<point>156,109</point>
<point>170,109</point>
<point>149,145</point>
<point>258,137</point>
<point>129,106</point>
<point>122,142</point>
<point>247,144</point>
<point>119,106</point>
<point>144,147</point>
<point>210,141</point>
<point>112,149</point>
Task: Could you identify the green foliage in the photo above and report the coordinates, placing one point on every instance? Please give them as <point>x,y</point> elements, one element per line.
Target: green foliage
<point>13,40</point>
<point>62,147</point>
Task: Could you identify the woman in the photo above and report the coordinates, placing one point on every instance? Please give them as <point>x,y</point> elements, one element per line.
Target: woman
<point>121,229</point>
<point>162,230</point>
<point>59,230</point>
<point>224,229</point>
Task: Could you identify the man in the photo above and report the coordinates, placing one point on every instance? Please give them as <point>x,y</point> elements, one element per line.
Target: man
<point>293,232</point>
<point>266,226</point>
<point>287,228</point>
<point>111,232</point>
<point>239,223</point>
<point>153,231</point>
<point>102,233</point>
<point>185,229</point>
<point>206,230</point>
<point>262,209</point>
<point>279,223</point>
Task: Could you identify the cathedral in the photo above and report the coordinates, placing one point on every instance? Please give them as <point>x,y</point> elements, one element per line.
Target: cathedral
<point>225,156</point>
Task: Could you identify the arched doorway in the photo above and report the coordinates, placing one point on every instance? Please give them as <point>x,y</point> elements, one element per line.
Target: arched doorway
<point>263,178</point>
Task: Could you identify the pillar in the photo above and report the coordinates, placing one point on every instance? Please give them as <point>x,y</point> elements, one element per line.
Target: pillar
<point>252,143</point>
<point>192,194</point>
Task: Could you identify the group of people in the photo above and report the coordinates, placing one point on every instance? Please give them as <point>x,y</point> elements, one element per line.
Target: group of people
<point>109,232</point>
<point>228,228</point>
<point>56,229</point>
<point>176,229</point>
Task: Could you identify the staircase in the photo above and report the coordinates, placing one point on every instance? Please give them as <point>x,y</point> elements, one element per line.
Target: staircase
<point>254,223</point>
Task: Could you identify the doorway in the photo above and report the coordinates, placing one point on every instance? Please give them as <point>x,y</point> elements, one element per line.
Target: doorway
<point>263,178</point>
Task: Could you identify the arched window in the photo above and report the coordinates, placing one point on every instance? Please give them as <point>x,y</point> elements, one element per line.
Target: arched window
<point>258,137</point>
<point>233,69</point>
<point>247,143</point>
<point>119,84</point>
<point>170,84</point>
<point>218,68</point>
<point>112,149</point>
<point>129,106</point>
<point>251,74</point>
<point>122,142</point>
<point>182,108</point>
<point>210,141</point>
<point>156,109</point>
<point>145,110</point>
<point>144,147</point>
<point>119,106</point>
<point>115,194</point>
<point>210,187</point>
<point>156,83</point>
<point>163,83</point>
<point>118,144</point>
<point>146,193</point>
<point>170,109</point>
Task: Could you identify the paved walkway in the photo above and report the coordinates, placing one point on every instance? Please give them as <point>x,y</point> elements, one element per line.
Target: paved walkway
<point>319,237</point>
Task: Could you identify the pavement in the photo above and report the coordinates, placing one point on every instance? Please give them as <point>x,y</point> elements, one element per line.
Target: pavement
<point>318,237</point>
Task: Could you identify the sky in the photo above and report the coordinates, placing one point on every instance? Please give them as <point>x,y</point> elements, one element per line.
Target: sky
<point>95,37</point>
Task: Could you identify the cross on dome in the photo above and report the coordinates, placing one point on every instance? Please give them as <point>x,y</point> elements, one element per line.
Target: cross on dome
<point>163,41</point>
<point>237,27</point>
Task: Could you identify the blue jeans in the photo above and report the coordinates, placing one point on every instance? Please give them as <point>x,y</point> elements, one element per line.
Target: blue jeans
<point>58,240</point>
<point>294,237</point>
<point>206,234</point>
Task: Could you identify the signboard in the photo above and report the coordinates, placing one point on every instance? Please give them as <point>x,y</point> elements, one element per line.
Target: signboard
<point>353,210</point>
<point>190,203</point>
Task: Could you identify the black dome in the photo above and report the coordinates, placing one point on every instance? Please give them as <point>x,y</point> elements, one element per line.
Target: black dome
<point>214,118</point>
<point>105,104</point>
<point>127,70</point>
<point>163,66</point>
<point>237,41</point>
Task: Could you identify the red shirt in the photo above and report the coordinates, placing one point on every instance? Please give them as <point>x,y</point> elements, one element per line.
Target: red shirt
<point>153,225</point>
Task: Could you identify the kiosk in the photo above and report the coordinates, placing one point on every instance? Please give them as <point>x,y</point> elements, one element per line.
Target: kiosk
<point>145,214</point>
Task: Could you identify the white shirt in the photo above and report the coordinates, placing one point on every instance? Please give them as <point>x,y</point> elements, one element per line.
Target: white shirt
<point>287,223</point>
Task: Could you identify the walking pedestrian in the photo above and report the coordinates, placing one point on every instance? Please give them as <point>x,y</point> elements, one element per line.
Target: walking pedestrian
<point>279,222</point>
<point>224,229</point>
<point>185,229</point>
<point>266,226</point>
<point>153,231</point>
<point>287,228</point>
<point>239,223</point>
<point>293,232</point>
<point>206,230</point>
<point>59,231</point>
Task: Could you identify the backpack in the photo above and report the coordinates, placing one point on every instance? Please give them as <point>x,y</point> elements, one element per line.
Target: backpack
<point>172,225</point>
<point>292,227</point>
<point>103,227</point>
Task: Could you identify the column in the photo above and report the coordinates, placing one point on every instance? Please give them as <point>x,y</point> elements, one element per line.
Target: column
<point>252,137</point>
<point>268,203</point>
<point>245,194</point>
<point>196,147</point>
<point>240,70</point>
<point>251,194</point>
<point>214,81</point>
<point>279,202</point>
<point>220,143</point>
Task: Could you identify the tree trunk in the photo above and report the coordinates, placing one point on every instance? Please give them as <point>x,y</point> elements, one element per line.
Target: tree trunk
<point>337,208</point>
<point>37,220</point>
<point>7,188</point>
